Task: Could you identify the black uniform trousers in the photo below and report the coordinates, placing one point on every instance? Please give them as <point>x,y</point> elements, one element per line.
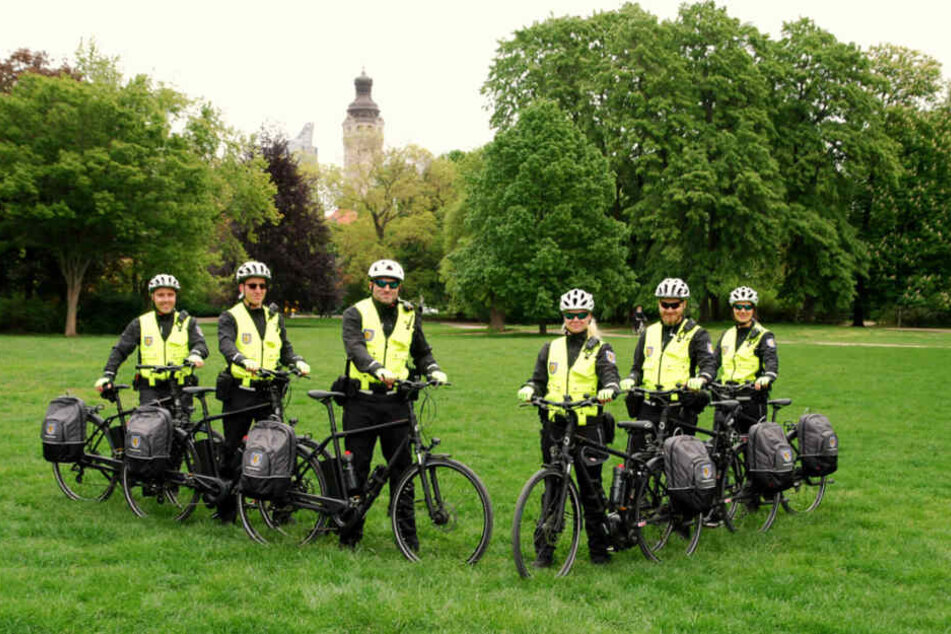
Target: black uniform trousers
<point>591,488</point>
<point>364,411</point>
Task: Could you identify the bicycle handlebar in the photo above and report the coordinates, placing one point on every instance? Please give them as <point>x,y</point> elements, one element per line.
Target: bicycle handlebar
<point>542,403</point>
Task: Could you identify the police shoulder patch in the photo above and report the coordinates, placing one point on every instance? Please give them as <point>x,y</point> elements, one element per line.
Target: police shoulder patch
<point>771,342</point>
<point>610,356</point>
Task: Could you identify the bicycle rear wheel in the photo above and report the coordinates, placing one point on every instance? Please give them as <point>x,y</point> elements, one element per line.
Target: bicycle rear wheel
<point>746,505</point>
<point>90,478</point>
<point>167,496</point>
<point>292,519</point>
<point>547,525</point>
<point>656,519</point>
<point>807,492</point>
<point>443,510</point>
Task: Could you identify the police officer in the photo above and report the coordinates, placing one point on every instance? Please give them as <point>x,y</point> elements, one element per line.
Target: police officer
<point>673,351</point>
<point>577,364</point>
<point>163,336</point>
<point>747,353</point>
<point>381,335</point>
<point>250,336</point>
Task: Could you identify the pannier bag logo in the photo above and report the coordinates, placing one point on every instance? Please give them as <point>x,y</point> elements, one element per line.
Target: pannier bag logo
<point>833,442</point>
<point>705,470</point>
<point>256,459</point>
<point>51,429</point>
<point>552,367</point>
<point>136,441</point>
<point>368,334</point>
<point>245,338</point>
<point>148,340</point>
<point>787,455</point>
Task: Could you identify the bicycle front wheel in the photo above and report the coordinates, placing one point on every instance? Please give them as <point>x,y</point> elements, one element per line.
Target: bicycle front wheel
<point>91,477</point>
<point>547,525</point>
<point>805,495</point>
<point>293,519</point>
<point>441,509</point>
<point>656,518</point>
<point>168,495</point>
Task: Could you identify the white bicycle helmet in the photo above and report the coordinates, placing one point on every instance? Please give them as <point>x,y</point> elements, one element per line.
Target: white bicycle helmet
<point>673,287</point>
<point>164,280</point>
<point>744,294</point>
<point>577,299</point>
<point>386,268</point>
<point>252,269</point>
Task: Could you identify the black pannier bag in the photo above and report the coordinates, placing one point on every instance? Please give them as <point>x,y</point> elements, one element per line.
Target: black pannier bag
<point>769,458</point>
<point>818,445</point>
<point>691,474</point>
<point>64,429</point>
<point>148,442</point>
<point>268,460</point>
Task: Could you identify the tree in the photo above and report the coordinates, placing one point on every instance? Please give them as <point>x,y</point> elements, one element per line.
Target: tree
<point>535,225</point>
<point>23,61</point>
<point>297,248</point>
<point>92,172</point>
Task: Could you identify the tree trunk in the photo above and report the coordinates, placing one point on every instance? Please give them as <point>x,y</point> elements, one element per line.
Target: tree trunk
<point>542,328</point>
<point>858,306</point>
<point>496,318</point>
<point>73,268</point>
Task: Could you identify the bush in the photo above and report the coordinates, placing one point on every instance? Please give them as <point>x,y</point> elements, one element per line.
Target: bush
<point>18,314</point>
<point>109,313</point>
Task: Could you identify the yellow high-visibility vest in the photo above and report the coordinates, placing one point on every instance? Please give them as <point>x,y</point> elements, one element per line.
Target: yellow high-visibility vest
<point>393,351</point>
<point>664,368</point>
<point>153,350</point>
<point>266,351</point>
<point>740,365</point>
<point>580,379</point>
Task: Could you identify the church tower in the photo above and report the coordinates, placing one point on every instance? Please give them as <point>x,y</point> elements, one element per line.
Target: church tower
<point>362,129</point>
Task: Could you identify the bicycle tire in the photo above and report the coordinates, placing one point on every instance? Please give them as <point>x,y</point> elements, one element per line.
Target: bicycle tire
<point>285,521</point>
<point>452,512</point>
<point>743,510</point>
<point>87,480</point>
<point>656,519</point>
<point>548,507</point>
<point>159,497</point>
<point>807,491</point>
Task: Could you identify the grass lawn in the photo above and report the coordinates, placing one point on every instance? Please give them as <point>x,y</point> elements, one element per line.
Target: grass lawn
<point>875,557</point>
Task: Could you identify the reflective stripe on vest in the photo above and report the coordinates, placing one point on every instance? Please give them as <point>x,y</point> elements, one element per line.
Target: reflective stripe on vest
<point>393,351</point>
<point>267,351</point>
<point>664,368</point>
<point>153,350</point>
<point>740,365</point>
<point>580,379</point>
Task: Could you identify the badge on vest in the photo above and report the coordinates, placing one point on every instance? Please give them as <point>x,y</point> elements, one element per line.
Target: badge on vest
<point>368,334</point>
<point>552,367</point>
<point>246,338</point>
<point>648,351</point>
<point>148,340</point>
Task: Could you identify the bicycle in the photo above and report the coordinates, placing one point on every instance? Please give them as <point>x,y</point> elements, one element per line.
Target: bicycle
<point>438,506</point>
<point>95,475</point>
<point>193,471</point>
<point>737,497</point>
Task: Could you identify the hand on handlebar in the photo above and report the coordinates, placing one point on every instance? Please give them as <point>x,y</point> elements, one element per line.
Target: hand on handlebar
<point>627,384</point>
<point>195,360</point>
<point>103,383</point>
<point>605,395</point>
<point>695,384</point>
<point>762,383</point>
<point>251,365</point>
<point>526,393</point>
<point>387,376</point>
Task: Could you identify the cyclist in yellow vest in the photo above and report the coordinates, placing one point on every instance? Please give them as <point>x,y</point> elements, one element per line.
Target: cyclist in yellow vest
<point>576,364</point>
<point>746,353</point>
<point>250,336</point>
<point>673,351</point>
<point>383,337</point>
<point>163,336</point>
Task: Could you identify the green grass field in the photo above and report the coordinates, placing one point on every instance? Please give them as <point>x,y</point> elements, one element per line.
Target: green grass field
<point>873,558</point>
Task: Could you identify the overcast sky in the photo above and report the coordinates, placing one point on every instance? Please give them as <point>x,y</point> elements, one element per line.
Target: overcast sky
<point>284,63</point>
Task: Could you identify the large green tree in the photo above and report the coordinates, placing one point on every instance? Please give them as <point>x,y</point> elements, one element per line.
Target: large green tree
<point>105,172</point>
<point>536,227</point>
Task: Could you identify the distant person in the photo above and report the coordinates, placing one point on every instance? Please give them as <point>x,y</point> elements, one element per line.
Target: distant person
<point>577,363</point>
<point>746,353</point>
<point>382,336</point>
<point>250,336</point>
<point>674,351</point>
<point>164,336</point>
<point>638,319</point>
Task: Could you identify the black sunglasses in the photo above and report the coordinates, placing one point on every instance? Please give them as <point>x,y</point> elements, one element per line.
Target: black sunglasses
<point>670,305</point>
<point>384,283</point>
<point>255,286</point>
<point>582,315</point>
<point>743,307</point>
